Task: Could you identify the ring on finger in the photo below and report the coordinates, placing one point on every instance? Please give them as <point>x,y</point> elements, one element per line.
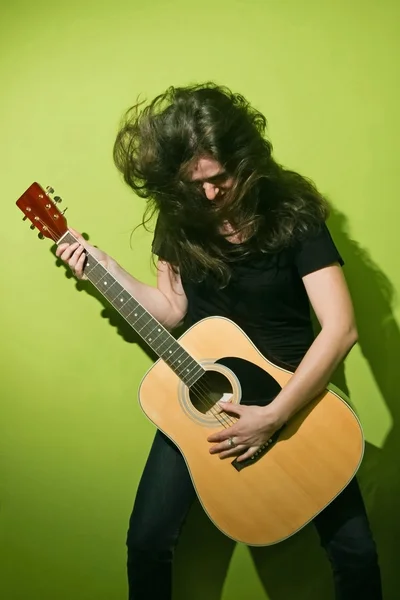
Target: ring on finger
<point>231,442</point>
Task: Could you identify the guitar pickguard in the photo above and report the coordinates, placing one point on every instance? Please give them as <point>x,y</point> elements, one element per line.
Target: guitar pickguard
<point>258,387</point>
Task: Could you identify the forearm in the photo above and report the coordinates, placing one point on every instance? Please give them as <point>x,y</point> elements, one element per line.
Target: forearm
<point>153,300</point>
<point>314,372</point>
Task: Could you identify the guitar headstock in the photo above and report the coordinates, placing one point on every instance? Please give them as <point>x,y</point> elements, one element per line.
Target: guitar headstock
<point>41,209</point>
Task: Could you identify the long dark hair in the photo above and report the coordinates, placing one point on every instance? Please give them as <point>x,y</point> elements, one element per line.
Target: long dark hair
<point>269,206</point>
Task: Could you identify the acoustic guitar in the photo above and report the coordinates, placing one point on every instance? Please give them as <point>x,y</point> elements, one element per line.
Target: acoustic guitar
<point>293,477</point>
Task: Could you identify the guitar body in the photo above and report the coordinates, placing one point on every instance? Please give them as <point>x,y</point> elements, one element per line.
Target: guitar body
<point>306,466</point>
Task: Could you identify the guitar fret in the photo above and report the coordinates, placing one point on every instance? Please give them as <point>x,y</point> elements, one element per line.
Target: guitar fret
<point>144,325</point>
<point>113,291</point>
<point>88,268</point>
<point>128,308</point>
<point>159,331</point>
<point>96,275</point>
<point>149,329</point>
<point>159,347</point>
<point>152,336</point>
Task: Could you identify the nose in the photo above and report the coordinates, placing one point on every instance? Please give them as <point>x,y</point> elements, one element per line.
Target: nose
<point>210,190</point>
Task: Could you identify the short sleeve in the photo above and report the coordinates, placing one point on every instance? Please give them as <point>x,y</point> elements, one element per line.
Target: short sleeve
<point>316,252</point>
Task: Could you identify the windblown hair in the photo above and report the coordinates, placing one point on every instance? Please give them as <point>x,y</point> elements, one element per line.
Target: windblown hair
<point>269,206</point>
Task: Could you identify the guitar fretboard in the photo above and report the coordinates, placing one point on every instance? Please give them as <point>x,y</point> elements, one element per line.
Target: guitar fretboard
<point>149,329</point>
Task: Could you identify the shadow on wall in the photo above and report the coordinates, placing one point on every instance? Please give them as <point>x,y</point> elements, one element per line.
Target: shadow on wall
<point>297,568</point>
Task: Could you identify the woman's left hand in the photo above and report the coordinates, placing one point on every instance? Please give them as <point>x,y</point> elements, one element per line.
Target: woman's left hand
<point>255,426</point>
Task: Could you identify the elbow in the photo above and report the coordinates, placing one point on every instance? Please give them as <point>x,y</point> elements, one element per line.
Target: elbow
<point>171,325</point>
<point>350,337</point>
<point>174,320</point>
<point>344,337</point>
<point>353,336</point>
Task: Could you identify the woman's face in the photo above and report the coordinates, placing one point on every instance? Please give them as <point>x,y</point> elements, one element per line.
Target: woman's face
<point>212,177</point>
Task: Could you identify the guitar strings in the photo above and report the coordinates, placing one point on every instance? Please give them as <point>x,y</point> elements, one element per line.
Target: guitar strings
<point>225,419</point>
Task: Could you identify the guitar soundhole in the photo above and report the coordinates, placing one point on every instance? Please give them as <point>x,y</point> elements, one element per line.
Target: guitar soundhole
<point>210,389</point>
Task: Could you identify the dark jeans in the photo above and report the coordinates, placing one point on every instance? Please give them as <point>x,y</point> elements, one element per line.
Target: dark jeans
<point>163,500</point>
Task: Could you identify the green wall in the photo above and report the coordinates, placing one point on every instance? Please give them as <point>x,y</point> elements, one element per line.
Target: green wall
<point>73,439</point>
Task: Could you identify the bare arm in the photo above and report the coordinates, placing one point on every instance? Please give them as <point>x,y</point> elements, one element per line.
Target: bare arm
<point>330,298</point>
<point>167,301</point>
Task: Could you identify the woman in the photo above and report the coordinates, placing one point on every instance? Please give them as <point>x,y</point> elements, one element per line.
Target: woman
<point>238,236</point>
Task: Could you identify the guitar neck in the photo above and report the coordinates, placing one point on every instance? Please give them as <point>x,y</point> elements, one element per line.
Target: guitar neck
<point>145,325</point>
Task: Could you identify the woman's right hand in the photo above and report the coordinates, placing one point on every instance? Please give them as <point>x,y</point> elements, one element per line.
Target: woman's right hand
<point>74,255</point>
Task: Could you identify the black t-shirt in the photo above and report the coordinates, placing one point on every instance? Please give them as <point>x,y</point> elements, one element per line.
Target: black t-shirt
<point>266,296</point>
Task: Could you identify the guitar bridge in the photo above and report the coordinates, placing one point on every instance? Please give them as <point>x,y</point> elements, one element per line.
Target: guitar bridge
<point>239,465</point>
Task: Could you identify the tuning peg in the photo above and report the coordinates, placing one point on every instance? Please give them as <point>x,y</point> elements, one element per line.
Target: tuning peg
<point>64,211</point>
<point>32,226</point>
<point>25,218</point>
<point>49,190</point>
<point>40,236</point>
<point>57,199</point>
